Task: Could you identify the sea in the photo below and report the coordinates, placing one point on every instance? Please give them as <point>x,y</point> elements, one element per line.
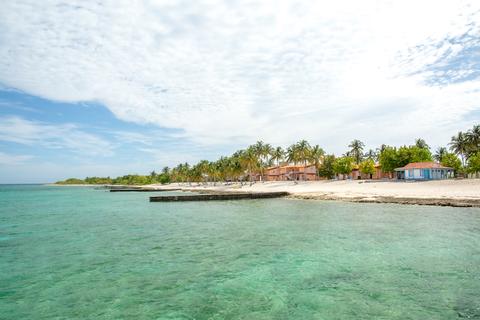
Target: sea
<point>84,253</point>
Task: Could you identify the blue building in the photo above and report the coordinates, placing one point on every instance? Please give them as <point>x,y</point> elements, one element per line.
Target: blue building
<point>424,171</point>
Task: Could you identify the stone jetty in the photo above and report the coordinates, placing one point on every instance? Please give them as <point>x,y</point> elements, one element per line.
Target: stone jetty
<point>219,196</point>
<point>142,190</point>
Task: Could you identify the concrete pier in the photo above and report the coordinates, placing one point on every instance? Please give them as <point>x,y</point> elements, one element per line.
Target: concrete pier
<point>219,196</point>
<point>142,190</point>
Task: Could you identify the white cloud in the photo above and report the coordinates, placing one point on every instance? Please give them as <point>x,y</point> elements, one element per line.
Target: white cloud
<point>231,71</point>
<point>61,136</point>
<point>12,159</point>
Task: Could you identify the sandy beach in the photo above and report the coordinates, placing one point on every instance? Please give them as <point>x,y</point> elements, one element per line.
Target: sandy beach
<point>438,192</point>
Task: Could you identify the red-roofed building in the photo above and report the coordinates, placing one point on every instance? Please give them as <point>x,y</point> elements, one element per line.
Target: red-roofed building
<point>424,171</point>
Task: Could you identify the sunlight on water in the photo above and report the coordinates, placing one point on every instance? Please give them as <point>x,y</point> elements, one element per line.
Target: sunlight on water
<point>76,253</point>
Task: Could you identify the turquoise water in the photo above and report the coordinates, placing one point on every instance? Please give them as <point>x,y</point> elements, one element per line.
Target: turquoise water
<point>79,253</point>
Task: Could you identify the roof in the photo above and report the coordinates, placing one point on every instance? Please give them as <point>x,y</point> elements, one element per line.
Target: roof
<point>292,166</point>
<point>423,165</point>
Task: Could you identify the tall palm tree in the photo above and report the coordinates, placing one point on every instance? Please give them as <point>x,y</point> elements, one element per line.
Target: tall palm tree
<point>165,170</point>
<point>235,166</point>
<point>356,150</point>
<point>371,154</point>
<point>250,161</point>
<point>303,149</point>
<point>277,155</point>
<point>262,151</point>
<point>440,153</point>
<point>459,145</point>
<point>293,154</point>
<point>473,139</point>
<point>267,152</point>
<point>316,157</point>
<point>421,143</point>
<point>204,169</point>
<point>259,148</point>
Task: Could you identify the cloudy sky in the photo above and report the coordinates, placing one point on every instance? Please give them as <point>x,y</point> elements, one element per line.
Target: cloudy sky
<point>116,87</point>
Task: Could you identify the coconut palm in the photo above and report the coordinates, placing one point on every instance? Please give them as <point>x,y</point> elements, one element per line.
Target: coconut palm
<point>459,145</point>
<point>250,161</point>
<point>293,154</point>
<point>277,155</point>
<point>259,149</point>
<point>303,150</point>
<point>236,169</point>
<point>356,150</point>
<point>203,168</point>
<point>316,156</point>
<point>473,139</point>
<point>267,152</point>
<point>421,143</point>
<point>371,154</point>
<point>440,153</point>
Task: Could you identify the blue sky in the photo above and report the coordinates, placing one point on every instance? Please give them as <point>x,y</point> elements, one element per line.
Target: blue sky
<point>116,87</point>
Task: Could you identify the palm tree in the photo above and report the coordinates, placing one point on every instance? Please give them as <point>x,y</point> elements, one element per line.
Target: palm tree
<point>473,139</point>
<point>267,152</point>
<point>303,149</point>
<point>277,155</point>
<point>262,151</point>
<point>250,161</point>
<point>421,144</point>
<point>381,148</point>
<point>292,154</point>
<point>459,145</point>
<point>236,169</point>
<point>259,148</point>
<point>316,157</point>
<point>356,150</point>
<point>204,169</point>
<point>371,154</point>
<point>440,153</point>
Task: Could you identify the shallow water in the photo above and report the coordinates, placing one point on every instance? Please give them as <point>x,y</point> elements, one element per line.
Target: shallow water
<point>79,253</point>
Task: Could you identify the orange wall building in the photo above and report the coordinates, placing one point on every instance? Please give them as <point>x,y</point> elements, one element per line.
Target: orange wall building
<point>292,173</point>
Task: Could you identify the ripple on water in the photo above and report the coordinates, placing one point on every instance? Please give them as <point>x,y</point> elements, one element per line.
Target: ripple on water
<point>84,253</point>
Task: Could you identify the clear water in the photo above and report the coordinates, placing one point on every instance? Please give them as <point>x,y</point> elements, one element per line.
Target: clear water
<point>79,253</point>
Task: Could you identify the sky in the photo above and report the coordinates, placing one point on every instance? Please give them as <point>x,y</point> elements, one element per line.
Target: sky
<point>106,88</point>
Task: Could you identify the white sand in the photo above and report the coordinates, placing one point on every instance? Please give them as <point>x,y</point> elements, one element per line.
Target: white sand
<point>448,189</point>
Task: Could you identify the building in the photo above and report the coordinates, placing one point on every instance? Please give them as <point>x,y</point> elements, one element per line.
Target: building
<point>357,175</point>
<point>424,171</point>
<point>292,173</point>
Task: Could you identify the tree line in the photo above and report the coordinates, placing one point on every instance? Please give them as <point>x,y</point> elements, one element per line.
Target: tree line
<point>250,164</point>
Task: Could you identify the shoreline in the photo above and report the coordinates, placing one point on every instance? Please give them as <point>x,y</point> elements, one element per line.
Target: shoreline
<point>441,202</point>
<point>452,193</point>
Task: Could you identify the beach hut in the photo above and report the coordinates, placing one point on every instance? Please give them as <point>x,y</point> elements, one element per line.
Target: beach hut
<point>424,171</point>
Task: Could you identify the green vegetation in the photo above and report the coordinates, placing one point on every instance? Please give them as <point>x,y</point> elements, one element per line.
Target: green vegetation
<point>251,164</point>
<point>131,179</point>
<point>451,160</point>
<point>343,165</point>
<point>391,157</point>
<point>326,169</point>
<point>367,167</point>
<point>71,181</point>
<point>474,163</point>
<point>356,149</point>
